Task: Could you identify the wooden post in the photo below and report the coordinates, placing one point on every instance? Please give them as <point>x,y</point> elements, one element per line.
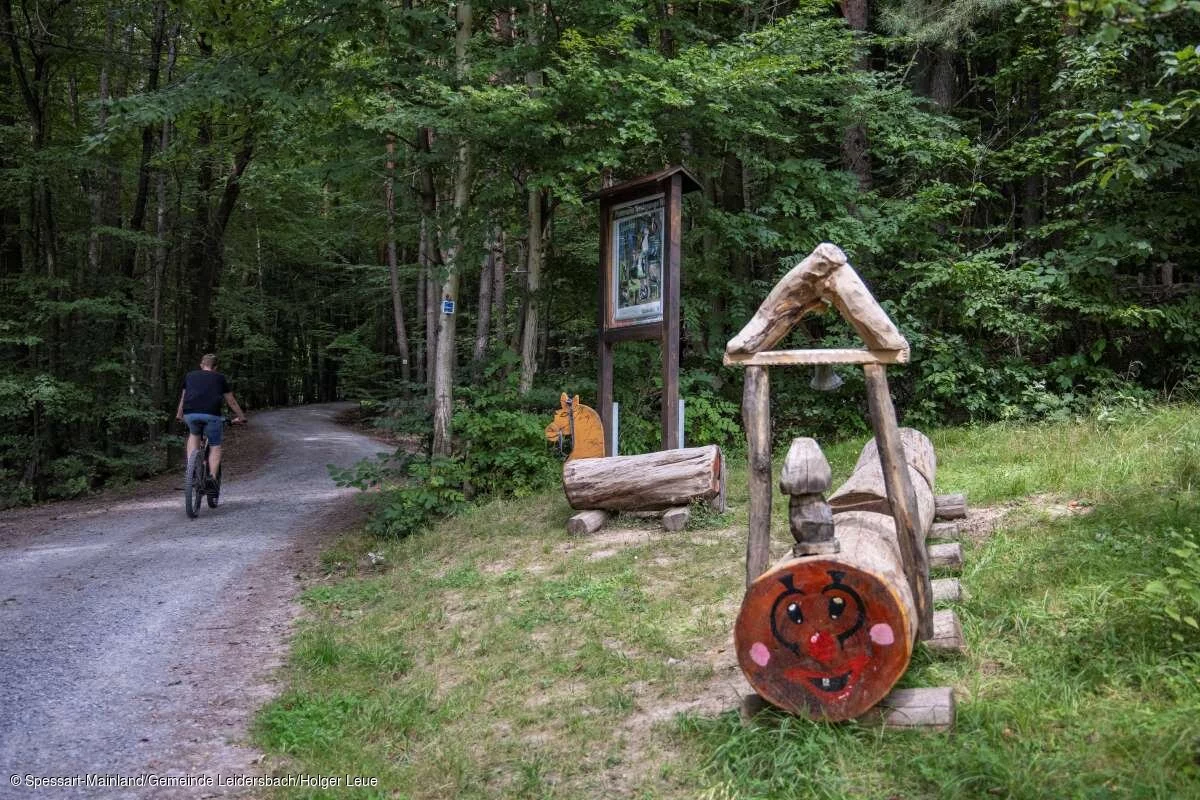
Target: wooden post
<point>756,415</point>
<point>901,495</point>
<point>672,223</point>
<point>605,392</point>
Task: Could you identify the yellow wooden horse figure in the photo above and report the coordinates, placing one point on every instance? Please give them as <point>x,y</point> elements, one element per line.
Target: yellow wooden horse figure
<point>579,422</point>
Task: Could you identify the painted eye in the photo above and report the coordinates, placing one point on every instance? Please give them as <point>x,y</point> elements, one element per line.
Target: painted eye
<point>836,606</point>
<point>793,612</point>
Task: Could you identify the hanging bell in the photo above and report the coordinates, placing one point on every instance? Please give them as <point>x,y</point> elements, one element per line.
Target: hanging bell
<point>824,379</point>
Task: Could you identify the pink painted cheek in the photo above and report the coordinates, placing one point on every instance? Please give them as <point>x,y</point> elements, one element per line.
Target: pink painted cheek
<point>882,634</point>
<point>759,654</point>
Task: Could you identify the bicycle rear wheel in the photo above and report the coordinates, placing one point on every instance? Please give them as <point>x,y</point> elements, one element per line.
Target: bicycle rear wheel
<point>193,484</point>
<point>215,494</point>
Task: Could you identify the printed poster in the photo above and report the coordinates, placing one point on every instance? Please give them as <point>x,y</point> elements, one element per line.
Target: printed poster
<point>636,260</point>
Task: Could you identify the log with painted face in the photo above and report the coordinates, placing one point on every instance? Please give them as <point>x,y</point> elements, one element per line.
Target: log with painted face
<point>828,636</point>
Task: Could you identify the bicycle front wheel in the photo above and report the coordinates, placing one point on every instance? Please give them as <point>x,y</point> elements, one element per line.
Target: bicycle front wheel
<point>193,484</point>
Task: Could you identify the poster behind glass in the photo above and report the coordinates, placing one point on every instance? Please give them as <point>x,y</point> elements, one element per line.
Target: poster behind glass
<point>637,260</point>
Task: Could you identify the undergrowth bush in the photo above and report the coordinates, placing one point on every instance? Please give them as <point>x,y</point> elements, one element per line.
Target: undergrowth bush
<point>1176,595</point>
<point>500,449</point>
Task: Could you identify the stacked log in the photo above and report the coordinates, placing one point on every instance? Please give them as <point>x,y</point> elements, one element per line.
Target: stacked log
<point>827,636</point>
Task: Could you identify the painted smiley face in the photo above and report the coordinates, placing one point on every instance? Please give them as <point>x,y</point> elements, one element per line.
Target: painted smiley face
<point>819,625</point>
<point>822,638</point>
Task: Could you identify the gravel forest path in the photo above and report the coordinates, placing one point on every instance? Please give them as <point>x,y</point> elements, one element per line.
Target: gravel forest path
<point>134,641</point>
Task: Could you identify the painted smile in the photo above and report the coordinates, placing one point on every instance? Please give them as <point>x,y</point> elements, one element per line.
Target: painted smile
<point>839,685</point>
<point>834,684</point>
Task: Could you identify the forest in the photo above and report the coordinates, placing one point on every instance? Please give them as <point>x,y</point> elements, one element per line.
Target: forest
<point>297,185</point>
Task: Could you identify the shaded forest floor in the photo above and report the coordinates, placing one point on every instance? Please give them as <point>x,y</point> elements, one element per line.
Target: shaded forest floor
<point>495,656</point>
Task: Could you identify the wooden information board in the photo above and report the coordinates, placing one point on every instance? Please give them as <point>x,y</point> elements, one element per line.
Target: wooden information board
<point>640,234</point>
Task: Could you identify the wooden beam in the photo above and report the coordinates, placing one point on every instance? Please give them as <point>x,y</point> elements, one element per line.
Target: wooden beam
<point>947,633</point>
<point>947,555</point>
<point>950,506</point>
<point>756,415</point>
<point>588,521</point>
<point>945,530</point>
<point>901,495</point>
<point>926,709</point>
<point>671,244</point>
<point>775,358</point>
<point>947,590</point>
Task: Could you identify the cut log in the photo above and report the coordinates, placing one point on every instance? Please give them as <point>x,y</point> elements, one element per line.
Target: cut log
<point>950,506</point>
<point>918,452</point>
<point>947,633</point>
<point>800,358</point>
<point>948,555</point>
<point>866,489</point>
<point>828,636</point>
<point>645,482</point>
<point>945,530</point>
<point>805,470</point>
<point>676,518</point>
<point>756,416</point>
<point>947,590</point>
<point>588,521</point>
<point>928,709</point>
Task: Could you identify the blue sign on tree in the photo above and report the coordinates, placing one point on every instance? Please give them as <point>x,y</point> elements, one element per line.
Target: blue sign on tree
<point>447,306</point>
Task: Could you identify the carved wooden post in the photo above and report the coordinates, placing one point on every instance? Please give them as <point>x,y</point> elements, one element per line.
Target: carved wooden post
<point>901,496</point>
<point>806,477</point>
<point>756,415</point>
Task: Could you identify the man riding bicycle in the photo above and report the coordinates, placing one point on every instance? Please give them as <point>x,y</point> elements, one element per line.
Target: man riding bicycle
<point>204,390</point>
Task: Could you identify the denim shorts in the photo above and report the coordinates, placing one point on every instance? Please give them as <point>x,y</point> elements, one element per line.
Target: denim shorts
<point>208,424</point>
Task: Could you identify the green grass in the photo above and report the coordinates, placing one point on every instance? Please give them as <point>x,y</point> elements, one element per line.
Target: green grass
<point>494,656</point>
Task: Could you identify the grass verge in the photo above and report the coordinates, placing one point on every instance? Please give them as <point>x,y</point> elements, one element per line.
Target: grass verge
<point>494,656</point>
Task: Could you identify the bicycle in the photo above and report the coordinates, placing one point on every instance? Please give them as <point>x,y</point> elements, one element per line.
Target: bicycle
<point>198,482</point>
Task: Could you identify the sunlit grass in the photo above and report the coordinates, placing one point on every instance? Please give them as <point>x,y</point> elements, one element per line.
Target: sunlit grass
<point>494,656</point>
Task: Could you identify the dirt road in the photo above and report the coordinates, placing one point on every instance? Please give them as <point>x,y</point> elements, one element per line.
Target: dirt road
<point>137,642</point>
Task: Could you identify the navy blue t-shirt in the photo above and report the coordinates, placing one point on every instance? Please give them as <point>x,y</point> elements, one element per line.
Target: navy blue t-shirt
<point>204,392</point>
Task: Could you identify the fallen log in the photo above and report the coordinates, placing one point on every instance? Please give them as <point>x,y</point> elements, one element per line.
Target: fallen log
<point>646,482</point>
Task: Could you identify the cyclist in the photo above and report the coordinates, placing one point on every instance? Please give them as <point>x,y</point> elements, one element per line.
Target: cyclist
<point>204,390</point>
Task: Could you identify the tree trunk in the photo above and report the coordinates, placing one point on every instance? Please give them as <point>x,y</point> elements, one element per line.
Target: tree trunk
<point>533,285</point>
<point>389,193</point>
<point>137,219</point>
<point>855,152</point>
<point>499,310</point>
<point>533,257</point>
<point>483,317</point>
<point>942,82</point>
<point>443,393</point>
<point>646,482</point>
<point>155,339</point>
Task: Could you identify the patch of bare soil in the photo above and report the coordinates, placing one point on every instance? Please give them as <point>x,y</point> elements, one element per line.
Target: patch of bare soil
<point>983,521</point>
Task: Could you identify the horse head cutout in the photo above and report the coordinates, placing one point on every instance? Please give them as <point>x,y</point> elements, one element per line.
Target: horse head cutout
<point>580,424</point>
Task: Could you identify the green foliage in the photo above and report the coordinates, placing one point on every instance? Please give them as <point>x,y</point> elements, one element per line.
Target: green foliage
<point>1176,595</point>
<point>409,491</point>
<point>504,451</point>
